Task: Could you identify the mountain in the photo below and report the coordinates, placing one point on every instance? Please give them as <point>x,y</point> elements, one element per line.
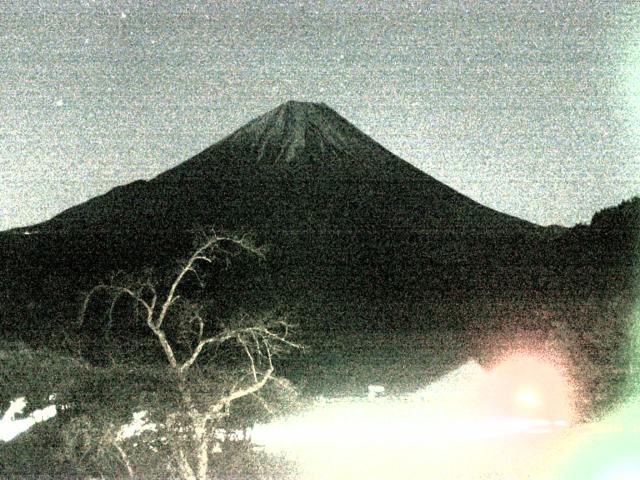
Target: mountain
<point>298,167</point>
<point>612,238</point>
<point>346,221</point>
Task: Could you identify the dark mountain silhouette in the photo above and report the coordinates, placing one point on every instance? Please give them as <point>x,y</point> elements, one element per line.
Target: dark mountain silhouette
<point>612,238</point>
<point>298,167</point>
<point>357,235</point>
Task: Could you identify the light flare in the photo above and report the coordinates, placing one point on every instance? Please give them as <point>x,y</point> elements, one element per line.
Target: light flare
<point>424,435</point>
<point>529,385</point>
<point>624,471</point>
<point>610,448</point>
<point>528,398</point>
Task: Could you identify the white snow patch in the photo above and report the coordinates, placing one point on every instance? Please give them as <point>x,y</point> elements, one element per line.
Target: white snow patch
<point>11,427</point>
<point>139,425</point>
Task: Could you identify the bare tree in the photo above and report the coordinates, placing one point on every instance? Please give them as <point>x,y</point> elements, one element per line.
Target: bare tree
<point>259,339</point>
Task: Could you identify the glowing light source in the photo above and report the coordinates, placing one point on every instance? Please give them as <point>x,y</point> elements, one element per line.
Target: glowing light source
<point>528,397</point>
<point>530,386</point>
<point>419,436</point>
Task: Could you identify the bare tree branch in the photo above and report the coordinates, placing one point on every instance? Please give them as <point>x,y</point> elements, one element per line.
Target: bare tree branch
<point>125,459</point>
<point>260,338</point>
<point>196,256</point>
<point>251,360</point>
<point>196,352</point>
<point>238,393</point>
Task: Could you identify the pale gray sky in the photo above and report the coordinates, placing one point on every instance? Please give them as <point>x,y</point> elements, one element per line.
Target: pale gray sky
<point>529,107</point>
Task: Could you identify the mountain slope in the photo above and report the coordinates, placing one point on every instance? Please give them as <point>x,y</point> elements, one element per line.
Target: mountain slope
<point>298,167</point>
<point>356,235</point>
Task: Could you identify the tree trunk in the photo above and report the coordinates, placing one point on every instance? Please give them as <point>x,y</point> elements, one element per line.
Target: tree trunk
<point>184,468</point>
<point>203,451</point>
<point>199,424</point>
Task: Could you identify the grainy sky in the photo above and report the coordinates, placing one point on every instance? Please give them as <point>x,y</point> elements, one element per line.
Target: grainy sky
<point>529,107</point>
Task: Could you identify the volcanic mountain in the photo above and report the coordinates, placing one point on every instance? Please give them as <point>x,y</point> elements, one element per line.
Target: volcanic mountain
<point>339,212</point>
<point>298,167</point>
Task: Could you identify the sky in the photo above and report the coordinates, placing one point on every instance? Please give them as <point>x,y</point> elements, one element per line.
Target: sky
<point>529,107</point>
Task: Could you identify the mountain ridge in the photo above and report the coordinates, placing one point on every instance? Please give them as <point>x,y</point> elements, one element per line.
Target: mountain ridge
<point>296,162</point>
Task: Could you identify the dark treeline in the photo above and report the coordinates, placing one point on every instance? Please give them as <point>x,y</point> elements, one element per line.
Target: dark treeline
<point>44,274</point>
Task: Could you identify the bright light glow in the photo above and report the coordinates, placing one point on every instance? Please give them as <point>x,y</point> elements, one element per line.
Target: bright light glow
<point>528,397</point>
<point>444,431</point>
<point>607,450</point>
<point>530,386</point>
<point>624,471</point>
<point>610,449</point>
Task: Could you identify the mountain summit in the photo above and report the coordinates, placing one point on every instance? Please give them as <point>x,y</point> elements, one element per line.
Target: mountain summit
<point>298,135</point>
<point>295,130</point>
<point>307,133</point>
<point>300,166</point>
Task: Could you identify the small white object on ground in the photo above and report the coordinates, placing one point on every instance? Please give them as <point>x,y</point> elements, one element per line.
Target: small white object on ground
<point>11,427</point>
<point>375,391</point>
